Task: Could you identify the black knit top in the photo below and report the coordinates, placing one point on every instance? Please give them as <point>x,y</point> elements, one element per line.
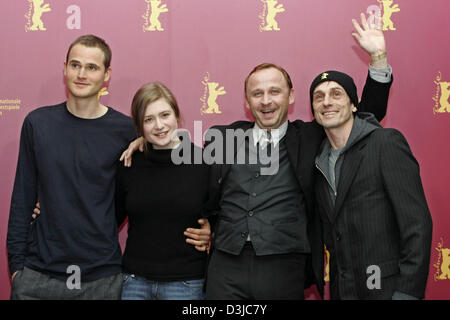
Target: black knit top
<point>161,200</point>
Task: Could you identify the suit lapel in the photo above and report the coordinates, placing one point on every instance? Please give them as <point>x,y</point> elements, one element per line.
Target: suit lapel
<point>349,170</point>
<point>302,146</point>
<point>323,195</point>
<point>293,145</point>
<point>225,168</point>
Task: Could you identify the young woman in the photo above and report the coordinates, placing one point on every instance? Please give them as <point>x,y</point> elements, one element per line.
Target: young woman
<point>161,199</point>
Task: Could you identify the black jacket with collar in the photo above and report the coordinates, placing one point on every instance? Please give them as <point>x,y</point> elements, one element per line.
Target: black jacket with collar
<point>380,219</point>
<point>303,140</point>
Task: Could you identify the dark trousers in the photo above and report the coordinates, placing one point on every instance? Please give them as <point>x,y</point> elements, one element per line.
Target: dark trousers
<point>29,284</point>
<point>249,277</point>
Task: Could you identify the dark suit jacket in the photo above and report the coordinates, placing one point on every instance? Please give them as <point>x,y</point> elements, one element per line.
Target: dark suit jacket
<point>303,140</point>
<point>380,218</point>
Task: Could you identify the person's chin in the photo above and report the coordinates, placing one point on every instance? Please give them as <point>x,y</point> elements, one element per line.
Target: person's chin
<point>329,124</point>
<point>266,124</point>
<point>161,144</point>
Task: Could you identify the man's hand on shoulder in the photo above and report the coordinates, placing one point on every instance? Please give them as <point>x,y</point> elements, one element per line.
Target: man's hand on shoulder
<point>127,154</point>
<point>14,275</point>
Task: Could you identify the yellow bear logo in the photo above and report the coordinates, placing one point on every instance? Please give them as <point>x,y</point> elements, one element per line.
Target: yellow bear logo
<point>445,266</point>
<point>327,265</point>
<point>39,9</point>
<point>213,95</point>
<point>156,10</point>
<point>388,10</point>
<point>442,96</point>
<point>271,8</point>
<point>445,95</point>
<point>443,263</point>
<point>103,92</point>
<point>210,96</point>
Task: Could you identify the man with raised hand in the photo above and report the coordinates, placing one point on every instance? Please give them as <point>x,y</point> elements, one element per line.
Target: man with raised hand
<point>374,218</point>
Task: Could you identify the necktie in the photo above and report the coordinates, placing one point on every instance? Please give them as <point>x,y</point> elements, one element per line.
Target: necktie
<point>267,140</point>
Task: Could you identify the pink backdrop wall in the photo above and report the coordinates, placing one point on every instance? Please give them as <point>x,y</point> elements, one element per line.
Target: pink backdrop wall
<point>221,41</point>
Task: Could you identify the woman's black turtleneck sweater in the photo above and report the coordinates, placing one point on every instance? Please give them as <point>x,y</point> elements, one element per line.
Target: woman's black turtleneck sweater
<point>161,200</point>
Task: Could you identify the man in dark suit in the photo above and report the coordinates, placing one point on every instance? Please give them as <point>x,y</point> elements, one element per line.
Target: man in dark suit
<point>262,241</point>
<point>374,218</point>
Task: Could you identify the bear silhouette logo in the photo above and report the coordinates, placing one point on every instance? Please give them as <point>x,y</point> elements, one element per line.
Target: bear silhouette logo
<point>326,277</point>
<point>443,263</point>
<point>151,17</point>
<point>211,93</point>
<point>36,10</point>
<point>102,92</point>
<point>271,9</point>
<point>388,10</point>
<point>442,96</point>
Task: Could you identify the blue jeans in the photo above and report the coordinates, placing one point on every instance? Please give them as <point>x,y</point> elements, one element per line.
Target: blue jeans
<point>138,288</point>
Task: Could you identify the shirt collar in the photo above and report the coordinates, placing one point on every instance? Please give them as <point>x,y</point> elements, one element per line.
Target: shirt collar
<point>277,134</point>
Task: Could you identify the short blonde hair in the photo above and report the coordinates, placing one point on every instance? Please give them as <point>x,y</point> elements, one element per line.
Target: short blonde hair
<point>264,66</point>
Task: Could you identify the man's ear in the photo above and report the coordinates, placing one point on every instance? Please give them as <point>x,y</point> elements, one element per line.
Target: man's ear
<point>107,74</point>
<point>247,104</point>
<point>292,96</point>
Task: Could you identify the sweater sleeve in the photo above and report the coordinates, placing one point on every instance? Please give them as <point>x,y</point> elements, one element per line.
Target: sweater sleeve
<point>120,195</point>
<point>401,178</point>
<point>23,199</point>
<point>374,98</point>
